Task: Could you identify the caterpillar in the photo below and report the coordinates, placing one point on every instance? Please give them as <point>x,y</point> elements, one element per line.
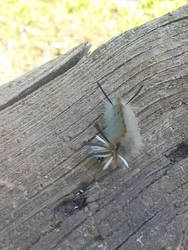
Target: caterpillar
<point>121,133</point>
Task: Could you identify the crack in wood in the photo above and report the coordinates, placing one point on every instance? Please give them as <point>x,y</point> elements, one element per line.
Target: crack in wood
<point>174,21</point>
<point>178,187</point>
<point>150,184</point>
<point>178,154</point>
<point>138,229</point>
<point>139,192</point>
<point>154,29</point>
<point>62,238</point>
<point>46,79</point>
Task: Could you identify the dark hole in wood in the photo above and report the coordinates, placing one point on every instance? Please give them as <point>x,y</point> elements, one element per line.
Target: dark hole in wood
<point>70,205</point>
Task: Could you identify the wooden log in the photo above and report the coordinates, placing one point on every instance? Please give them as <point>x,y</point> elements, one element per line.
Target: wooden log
<point>52,196</point>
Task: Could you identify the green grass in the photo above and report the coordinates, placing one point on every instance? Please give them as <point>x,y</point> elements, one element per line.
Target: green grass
<point>33,32</point>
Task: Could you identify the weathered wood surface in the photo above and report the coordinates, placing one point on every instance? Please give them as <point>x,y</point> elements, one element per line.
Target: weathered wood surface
<point>47,114</point>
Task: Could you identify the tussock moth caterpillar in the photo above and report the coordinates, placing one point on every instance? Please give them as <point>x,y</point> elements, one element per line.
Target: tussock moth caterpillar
<point>121,133</point>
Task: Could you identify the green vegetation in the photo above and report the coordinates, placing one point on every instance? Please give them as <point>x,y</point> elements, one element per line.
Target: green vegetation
<point>33,32</point>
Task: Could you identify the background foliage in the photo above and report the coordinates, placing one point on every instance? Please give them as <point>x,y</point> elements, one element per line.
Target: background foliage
<point>33,32</point>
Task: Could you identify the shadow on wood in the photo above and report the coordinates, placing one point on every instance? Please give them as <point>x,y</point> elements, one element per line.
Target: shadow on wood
<point>47,114</point>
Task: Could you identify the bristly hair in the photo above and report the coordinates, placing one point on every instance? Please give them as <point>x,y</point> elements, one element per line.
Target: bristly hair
<point>107,151</point>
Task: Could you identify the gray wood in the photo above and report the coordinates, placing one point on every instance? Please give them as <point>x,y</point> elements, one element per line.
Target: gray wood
<point>47,114</point>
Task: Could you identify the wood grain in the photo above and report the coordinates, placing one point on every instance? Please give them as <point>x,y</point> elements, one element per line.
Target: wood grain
<point>47,114</point>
